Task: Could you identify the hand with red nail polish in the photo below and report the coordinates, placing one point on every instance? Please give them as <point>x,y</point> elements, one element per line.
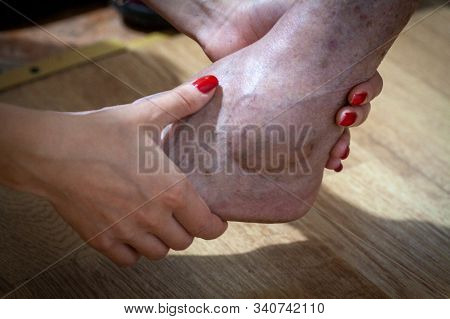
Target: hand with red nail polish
<point>106,175</point>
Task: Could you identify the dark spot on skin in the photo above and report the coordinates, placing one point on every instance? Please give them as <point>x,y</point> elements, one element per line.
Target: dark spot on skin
<point>363,17</point>
<point>206,171</point>
<point>357,9</point>
<point>332,45</point>
<point>369,23</point>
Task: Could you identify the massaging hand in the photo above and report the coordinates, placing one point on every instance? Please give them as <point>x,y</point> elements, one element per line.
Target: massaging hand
<point>225,26</point>
<point>85,164</point>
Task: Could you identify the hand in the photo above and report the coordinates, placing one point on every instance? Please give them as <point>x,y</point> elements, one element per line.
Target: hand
<point>225,26</point>
<point>85,164</point>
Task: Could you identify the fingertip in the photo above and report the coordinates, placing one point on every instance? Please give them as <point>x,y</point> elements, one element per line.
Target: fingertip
<point>377,84</point>
<point>340,151</point>
<point>225,227</point>
<point>351,116</point>
<point>358,98</point>
<point>216,229</point>
<point>346,153</point>
<point>206,84</point>
<point>339,168</point>
<point>365,92</point>
<point>333,163</point>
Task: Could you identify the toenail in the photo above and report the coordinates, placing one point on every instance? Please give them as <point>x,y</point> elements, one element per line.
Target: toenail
<point>346,153</point>
<point>358,98</point>
<point>337,170</point>
<point>348,119</point>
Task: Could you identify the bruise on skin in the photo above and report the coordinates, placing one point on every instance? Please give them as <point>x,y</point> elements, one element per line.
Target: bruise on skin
<point>332,45</point>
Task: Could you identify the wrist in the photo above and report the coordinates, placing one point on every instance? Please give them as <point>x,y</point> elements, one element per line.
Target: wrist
<point>27,140</point>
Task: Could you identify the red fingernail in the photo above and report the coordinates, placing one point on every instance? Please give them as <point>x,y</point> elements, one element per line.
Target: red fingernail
<point>346,153</point>
<point>337,170</point>
<point>206,83</point>
<point>359,98</point>
<point>348,119</point>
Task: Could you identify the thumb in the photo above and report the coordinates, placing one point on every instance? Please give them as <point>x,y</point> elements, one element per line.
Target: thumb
<point>183,100</point>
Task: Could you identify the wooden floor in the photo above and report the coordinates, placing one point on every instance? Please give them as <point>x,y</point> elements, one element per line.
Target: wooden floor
<point>28,44</point>
<point>379,229</point>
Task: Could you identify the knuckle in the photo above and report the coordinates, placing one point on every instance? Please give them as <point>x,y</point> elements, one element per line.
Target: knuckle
<point>148,220</point>
<point>123,232</point>
<point>176,196</point>
<point>185,101</point>
<point>102,243</point>
<point>154,222</point>
<point>141,217</point>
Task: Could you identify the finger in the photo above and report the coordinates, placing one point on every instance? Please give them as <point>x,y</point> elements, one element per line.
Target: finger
<point>182,101</point>
<point>172,233</point>
<point>196,217</point>
<point>334,164</point>
<point>351,116</point>
<point>341,149</point>
<point>149,246</point>
<point>119,253</point>
<point>366,91</point>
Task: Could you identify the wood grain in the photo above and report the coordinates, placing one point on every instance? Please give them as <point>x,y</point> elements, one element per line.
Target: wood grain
<point>380,229</point>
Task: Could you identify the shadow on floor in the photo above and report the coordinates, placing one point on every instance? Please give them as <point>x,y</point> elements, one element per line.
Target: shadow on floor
<point>303,269</point>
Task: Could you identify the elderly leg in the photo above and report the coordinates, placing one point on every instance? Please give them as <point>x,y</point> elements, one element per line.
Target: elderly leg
<point>297,75</point>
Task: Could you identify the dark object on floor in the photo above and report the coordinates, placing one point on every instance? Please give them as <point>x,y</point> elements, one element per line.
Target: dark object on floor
<point>137,15</point>
<point>14,13</point>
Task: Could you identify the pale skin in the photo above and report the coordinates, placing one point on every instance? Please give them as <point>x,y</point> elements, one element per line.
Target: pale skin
<point>100,212</point>
<point>85,165</point>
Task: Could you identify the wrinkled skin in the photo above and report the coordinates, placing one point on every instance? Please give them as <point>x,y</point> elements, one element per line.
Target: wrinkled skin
<point>303,68</point>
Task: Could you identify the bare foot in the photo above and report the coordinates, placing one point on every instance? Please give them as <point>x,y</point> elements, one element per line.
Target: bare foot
<point>300,72</point>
